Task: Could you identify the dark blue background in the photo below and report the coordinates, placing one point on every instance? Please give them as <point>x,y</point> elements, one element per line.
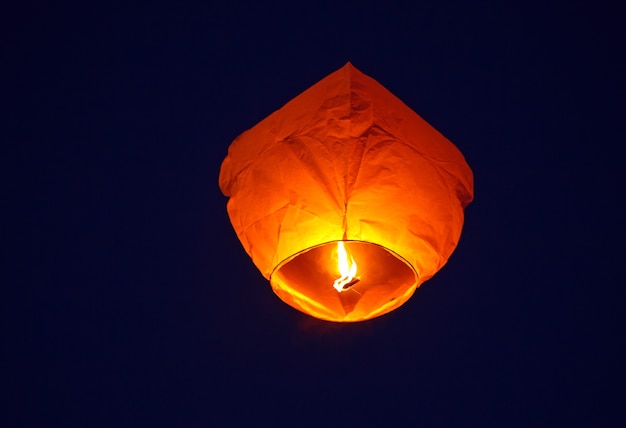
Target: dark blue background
<point>141,307</point>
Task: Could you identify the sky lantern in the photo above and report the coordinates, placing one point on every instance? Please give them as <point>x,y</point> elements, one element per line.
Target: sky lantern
<point>345,199</point>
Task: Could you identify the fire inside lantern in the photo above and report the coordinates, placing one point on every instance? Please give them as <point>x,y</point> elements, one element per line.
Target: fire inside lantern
<point>347,268</point>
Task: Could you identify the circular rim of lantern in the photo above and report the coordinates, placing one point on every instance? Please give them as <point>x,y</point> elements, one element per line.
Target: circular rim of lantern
<point>361,300</point>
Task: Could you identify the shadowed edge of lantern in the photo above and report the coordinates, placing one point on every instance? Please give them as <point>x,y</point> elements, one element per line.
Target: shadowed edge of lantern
<point>305,281</point>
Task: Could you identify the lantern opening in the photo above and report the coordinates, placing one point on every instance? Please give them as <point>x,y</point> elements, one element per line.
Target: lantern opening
<point>373,281</point>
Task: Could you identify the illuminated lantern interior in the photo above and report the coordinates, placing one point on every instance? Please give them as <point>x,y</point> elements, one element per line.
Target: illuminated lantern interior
<point>346,199</point>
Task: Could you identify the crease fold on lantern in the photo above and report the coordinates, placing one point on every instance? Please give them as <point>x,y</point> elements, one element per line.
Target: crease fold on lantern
<point>346,160</point>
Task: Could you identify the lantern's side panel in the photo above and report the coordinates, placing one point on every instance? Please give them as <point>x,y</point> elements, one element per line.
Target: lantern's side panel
<point>287,201</point>
<point>412,183</point>
<point>392,115</point>
<point>402,202</point>
<point>317,111</point>
<point>286,175</point>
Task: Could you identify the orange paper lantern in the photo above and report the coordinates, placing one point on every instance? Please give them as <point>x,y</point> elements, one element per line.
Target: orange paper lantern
<point>346,199</point>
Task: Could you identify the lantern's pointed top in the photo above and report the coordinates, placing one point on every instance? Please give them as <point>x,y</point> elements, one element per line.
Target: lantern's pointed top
<point>349,66</point>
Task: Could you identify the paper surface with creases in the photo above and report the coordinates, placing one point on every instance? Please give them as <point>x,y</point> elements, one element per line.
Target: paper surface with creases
<point>346,159</point>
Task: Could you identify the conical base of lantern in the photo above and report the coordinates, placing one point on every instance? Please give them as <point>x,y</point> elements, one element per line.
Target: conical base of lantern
<point>349,300</point>
<point>383,282</point>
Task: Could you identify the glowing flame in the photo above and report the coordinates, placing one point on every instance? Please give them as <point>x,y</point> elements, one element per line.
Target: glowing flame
<point>347,269</point>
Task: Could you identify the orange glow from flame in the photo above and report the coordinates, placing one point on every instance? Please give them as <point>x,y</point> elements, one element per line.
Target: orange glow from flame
<point>347,268</point>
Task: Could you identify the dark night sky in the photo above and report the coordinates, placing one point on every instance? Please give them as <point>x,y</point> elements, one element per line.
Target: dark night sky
<point>141,307</point>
